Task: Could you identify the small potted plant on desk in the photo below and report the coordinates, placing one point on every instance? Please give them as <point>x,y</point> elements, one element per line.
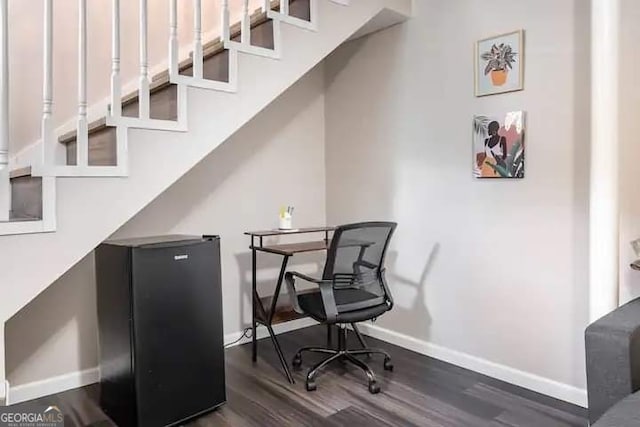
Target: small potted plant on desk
<point>500,60</point>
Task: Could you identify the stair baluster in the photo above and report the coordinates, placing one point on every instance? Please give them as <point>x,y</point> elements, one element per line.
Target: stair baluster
<point>198,59</point>
<point>48,136</point>
<point>83,124</point>
<point>5,188</point>
<point>173,40</point>
<point>245,32</point>
<point>226,30</point>
<point>284,7</point>
<point>144,93</point>
<point>4,84</point>
<point>116,88</point>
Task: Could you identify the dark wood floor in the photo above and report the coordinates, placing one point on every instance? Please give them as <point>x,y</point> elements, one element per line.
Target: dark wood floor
<point>420,392</point>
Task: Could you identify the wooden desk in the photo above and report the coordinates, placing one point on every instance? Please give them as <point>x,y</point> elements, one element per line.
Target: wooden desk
<point>278,311</point>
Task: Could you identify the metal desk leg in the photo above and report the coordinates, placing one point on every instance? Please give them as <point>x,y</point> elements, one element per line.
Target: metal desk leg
<point>283,361</point>
<point>254,338</point>
<point>272,310</point>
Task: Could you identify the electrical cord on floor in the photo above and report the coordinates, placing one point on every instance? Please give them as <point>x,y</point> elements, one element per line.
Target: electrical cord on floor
<point>245,334</point>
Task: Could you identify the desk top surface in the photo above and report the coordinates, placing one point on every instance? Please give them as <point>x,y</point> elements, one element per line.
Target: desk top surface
<point>279,232</point>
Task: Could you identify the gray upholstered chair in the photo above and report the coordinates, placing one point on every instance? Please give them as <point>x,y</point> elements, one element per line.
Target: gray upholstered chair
<point>613,367</point>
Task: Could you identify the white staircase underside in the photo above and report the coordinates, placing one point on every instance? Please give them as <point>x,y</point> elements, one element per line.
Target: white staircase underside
<point>90,209</point>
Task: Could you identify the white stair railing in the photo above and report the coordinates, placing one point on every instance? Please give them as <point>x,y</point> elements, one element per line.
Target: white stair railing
<point>226,21</point>
<point>116,83</point>
<point>82,136</point>
<point>173,40</point>
<point>284,7</point>
<point>51,163</point>
<point>245,29</point>
<point>144,97</point>
<point>48,137</point>
<point>197,79</point>
<point>198,59</point>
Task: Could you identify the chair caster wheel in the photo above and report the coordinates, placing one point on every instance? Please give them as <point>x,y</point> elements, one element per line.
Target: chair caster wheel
<point>374,388</point>
<point>388,366</point>
<point>311,385</point>
<point>297,361</point>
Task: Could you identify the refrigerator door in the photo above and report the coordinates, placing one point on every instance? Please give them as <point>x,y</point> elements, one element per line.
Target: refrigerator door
<point>178,333</point>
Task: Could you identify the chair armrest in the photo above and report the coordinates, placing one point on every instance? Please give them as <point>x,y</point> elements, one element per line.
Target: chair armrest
<point>367,264</point>
<point>304,277</point>
<point>326,291</point>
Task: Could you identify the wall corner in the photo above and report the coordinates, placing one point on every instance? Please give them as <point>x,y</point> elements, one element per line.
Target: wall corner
<point>4,384</point>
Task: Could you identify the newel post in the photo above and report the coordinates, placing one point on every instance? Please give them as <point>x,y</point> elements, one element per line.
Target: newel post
<point>604,193</point>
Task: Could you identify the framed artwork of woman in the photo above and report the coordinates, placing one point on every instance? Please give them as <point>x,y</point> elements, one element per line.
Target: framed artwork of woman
<point>499,148</point>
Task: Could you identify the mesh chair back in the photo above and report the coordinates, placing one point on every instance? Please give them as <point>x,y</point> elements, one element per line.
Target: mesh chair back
<point>355,263</point>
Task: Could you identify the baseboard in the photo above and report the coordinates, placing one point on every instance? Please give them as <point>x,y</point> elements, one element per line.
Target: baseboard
<point>523,379</point>
<point>4,388</point>
<point>230,339</point>
<point>37,389</point>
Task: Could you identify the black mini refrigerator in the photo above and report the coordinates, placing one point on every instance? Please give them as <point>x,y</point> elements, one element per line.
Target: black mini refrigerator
<point>160,329</point>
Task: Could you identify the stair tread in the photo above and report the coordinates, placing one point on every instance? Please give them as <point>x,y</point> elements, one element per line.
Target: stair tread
<point>20,172</point>
<point>93,127</point>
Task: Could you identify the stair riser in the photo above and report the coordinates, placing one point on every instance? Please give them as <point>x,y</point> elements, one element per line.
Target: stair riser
<point>300,9</point>
<point>163,105</point>
<point>26,198</point>
<point>102,149</point>
<point>214,68</point>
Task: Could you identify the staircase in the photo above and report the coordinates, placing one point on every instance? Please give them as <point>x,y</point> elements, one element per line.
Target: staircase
<point>73,189</point>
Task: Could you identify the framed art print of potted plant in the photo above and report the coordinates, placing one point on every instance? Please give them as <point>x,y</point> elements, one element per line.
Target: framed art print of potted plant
<point>499,65</point>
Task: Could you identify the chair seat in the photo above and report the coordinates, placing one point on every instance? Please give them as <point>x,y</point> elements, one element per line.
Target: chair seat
<point>312,304</point>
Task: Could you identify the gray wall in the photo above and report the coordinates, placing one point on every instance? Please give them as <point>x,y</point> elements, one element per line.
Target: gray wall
<point>630,147</point>
<point>494,269</point>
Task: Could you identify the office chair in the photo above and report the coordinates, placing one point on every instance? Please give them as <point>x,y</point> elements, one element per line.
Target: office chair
<point>352,289</point>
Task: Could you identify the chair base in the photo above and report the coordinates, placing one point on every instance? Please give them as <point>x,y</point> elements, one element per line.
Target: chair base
<point>343,355</point>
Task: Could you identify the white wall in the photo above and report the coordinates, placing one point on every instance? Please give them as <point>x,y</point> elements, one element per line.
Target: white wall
<point>629,148</point>
<point>494,269</point>
<point>278,158</point>
<point>56,333</point>
<point>26,32</point>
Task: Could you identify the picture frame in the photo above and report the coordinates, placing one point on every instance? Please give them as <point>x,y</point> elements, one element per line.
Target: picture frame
<point>499,64</point>
<point>499,145</point>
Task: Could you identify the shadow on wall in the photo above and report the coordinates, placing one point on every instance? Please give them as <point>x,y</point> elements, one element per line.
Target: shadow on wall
<point>56,332</point>
<point>409,295</point>
<point>383,191</point>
